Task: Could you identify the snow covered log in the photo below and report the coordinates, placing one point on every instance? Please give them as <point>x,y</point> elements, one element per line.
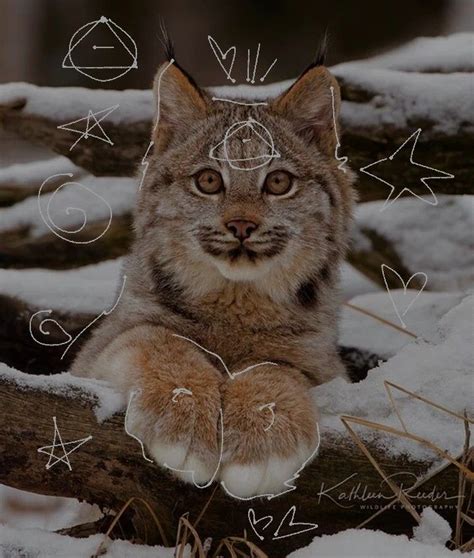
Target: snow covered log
<point>108,469</point>
<point>385,100</point>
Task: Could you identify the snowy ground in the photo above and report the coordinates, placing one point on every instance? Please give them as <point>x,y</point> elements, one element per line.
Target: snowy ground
<point>435,240</point>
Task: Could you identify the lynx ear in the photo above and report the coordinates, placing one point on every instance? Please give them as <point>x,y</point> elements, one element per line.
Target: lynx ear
<point>308,105</point>
<point>178,102</point>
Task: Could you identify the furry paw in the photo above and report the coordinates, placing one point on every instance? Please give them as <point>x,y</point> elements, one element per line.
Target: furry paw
<point>270,432</point>
<point>179,425</point>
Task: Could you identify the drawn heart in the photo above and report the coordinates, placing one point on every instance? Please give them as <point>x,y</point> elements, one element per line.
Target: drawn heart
<point>222,56</point>
<point>254,522</point>
<point>407,296</point>
<point>291,523</point>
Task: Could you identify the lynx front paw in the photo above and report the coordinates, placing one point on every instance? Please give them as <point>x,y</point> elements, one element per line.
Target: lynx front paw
<point>270,432</point>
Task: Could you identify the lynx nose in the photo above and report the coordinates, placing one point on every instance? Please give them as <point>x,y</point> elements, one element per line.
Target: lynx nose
<point>240,228</point>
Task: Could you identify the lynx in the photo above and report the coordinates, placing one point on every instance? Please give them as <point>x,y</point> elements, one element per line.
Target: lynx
<point>235,260</point>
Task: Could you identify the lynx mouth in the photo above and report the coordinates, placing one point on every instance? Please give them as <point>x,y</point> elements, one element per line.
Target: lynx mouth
<point>244,252</point>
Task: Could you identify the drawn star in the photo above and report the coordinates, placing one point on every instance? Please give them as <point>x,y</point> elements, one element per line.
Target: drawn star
<point>92,120</point>
<point>72,446</point>
<point>396,191</point>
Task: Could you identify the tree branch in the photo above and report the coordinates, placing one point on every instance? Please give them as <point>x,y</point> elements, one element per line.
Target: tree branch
<point>110,469</point>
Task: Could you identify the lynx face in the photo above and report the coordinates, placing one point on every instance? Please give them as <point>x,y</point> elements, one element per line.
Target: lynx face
<point>244,191</point>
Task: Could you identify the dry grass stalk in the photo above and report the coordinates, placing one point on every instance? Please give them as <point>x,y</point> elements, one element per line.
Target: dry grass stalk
<point>184,528</point>
<point>408,491</point>
<point>462,517</point>
<point>380,319</point>
<point>395,488</point>
<point>409,436</point>
<point>230,543</point>
<point>122,510</point>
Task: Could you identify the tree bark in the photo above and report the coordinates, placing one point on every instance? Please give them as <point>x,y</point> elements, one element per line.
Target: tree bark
<point>110,469</point>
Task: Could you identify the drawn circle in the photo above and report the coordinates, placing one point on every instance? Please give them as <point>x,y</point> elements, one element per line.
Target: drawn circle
<point>246,163</point>
<point>122,37</point>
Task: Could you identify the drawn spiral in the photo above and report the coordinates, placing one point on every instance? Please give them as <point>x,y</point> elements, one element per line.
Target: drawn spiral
<point>43,328</point>
<point>68,234</point>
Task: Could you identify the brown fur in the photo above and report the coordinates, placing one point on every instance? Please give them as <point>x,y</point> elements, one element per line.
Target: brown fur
<point>274,301</point>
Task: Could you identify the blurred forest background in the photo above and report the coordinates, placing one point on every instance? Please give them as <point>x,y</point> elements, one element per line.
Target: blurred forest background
<point>35,33</point>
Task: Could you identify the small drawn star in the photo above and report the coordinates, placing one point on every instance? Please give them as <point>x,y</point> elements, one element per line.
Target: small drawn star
<point>92,122</point>
<point>397,191</point>
<point>53,459</point>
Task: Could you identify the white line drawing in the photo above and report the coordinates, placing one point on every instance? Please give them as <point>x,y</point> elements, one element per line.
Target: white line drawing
<point>232,375</point>
<point>268,519</point>
<point>291,523</point>
<point>263,135</point>
<point>125,425</point>
<point>70,340</point>
<point>400,315</point>
<point>343,160</point>
<point>92,121</point>
<point>252,79</point>
<point>243,103</point>
<point>119,36</point>
<point>180,391</point>
<point>287,483</point>
<point>145,164</point>
<point>270,407</point>
<point>439,174</point>
<point>218,466</point>
<point>222,56</point>
<point>287,521</point>
<point>48,220</point>
<point>76,444</point>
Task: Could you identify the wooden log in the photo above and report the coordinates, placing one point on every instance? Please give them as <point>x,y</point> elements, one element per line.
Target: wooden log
<point>371,132</point>
<point>338,490</point>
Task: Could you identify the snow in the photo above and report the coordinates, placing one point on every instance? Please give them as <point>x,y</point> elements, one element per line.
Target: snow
<point>32,174</point>
<point>70,103</point>
<point>453,53</point>
<point>401,102</point>
<point>353,282</point>
<point>432,239</point>
<point>34,543</point>
<point>445,352</point>
<point>106,401</point>
<point>363,543</point>
<point>433,528</point>
<point>89,289</point>
<point>25,509</point>
<point>363,332</point>
<point>72,206</point>
<point>449,106</point>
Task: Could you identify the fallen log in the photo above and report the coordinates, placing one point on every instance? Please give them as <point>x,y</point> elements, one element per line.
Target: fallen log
<point>339,489</point>
<point>381,109</point>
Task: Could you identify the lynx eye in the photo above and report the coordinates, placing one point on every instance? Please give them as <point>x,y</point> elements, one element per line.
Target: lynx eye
<point>208,181</point>
<point>278,183</point>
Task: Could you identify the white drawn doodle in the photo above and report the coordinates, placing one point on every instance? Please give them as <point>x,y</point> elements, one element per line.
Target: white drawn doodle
<point>92,122</point>
<point>287,522</point>
<point>70,340</point>
<point>251,78</point>
<point>343,160</point>
<point>257,132</point>
<point>60,231</point>
<point>71,447</point>
<point>119,40</point>
<point>400,314</point>
<point>395,191</point>
<point>270,407</point>
<point>125,425</point>
<point>145,163</point>
<point>221,57</point>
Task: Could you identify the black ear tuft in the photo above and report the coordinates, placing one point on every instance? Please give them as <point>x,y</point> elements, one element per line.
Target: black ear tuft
<point>321,53</point>
<point>166,41</point>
